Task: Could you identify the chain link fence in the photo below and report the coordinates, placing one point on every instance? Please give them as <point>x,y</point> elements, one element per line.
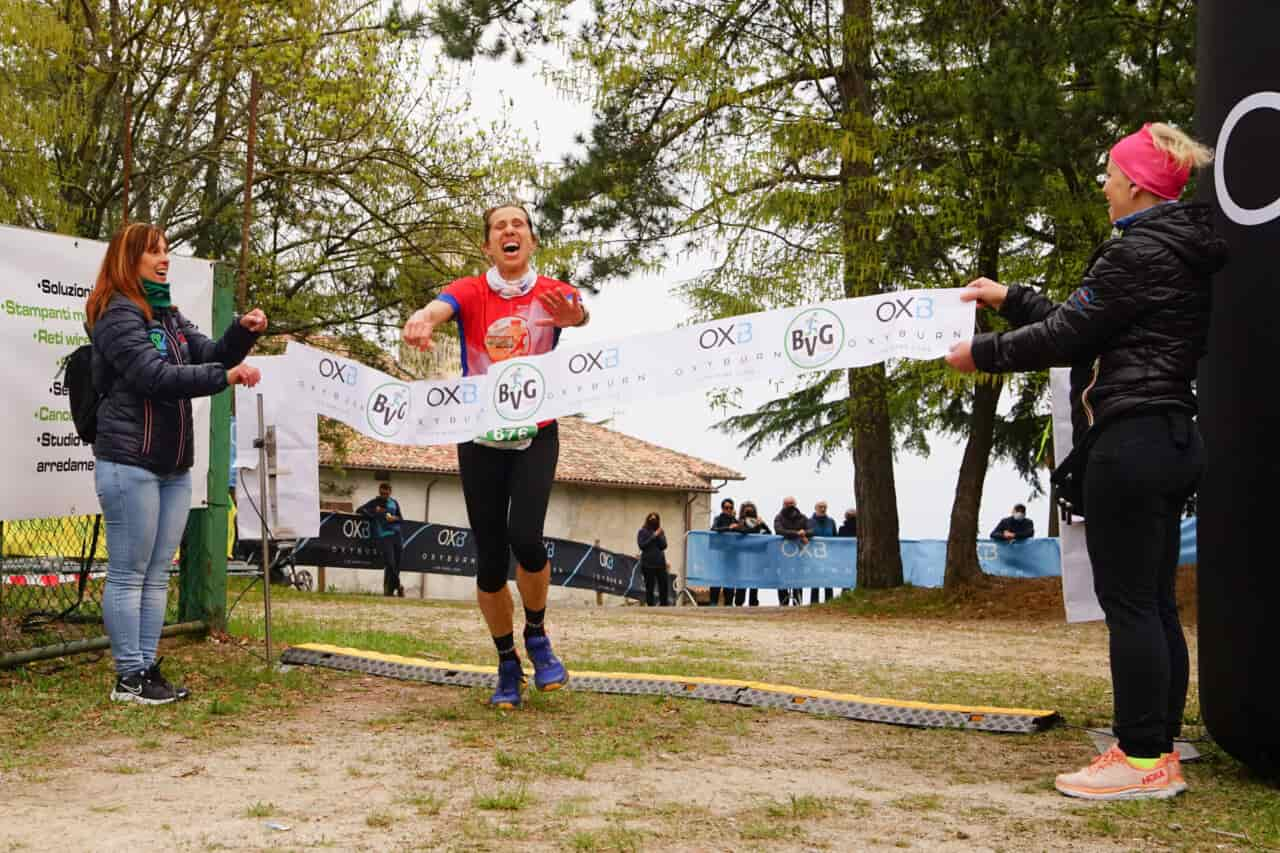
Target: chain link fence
<point>52,571</point>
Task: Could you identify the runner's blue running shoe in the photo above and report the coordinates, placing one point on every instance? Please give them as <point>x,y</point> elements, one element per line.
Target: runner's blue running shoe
<point>548,672</point>
<point>510,683</point>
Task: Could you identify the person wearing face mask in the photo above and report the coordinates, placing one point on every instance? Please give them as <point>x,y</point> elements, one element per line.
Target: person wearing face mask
<point>1015,526</point>
<point>749,521</point>
<point>509,311</point>
<point>791,523</point>
<point>652,542</point>
<point>1132,333</point>
<point>148,362</point>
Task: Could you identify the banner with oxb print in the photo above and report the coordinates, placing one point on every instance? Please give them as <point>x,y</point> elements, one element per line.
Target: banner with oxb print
<point>44,282</point>
<point>771,562</point>
<point>518,393</point>
<point>344,542</point>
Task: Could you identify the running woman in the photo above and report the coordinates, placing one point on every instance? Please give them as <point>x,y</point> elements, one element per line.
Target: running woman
<point>510,311</point>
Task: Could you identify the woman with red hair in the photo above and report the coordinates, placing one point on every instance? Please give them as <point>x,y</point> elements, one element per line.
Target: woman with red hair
<point>148,362</point>
<point>1132,334</point>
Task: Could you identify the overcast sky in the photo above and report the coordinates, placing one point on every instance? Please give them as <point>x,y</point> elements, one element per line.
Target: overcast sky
<point>926,487</point>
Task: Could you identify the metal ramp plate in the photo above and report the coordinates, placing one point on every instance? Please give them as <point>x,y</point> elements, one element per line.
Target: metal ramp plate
<point>752,693</point>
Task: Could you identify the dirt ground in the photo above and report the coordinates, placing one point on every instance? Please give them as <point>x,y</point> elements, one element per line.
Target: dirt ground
<point>374,764</point>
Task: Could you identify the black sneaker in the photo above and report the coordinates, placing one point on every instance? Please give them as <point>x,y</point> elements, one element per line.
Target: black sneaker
<point>154,676</point>
<point>137,687</point>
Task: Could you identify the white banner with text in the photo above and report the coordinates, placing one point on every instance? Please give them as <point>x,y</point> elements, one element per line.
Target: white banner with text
<point>44,282</point>
<point>521,392</point>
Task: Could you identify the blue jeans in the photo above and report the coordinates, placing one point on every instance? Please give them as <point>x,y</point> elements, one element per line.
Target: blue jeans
<point>144,515</point>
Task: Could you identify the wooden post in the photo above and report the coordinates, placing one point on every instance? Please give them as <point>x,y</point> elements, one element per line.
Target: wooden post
<point>320,578</point>
<point>242,289</point>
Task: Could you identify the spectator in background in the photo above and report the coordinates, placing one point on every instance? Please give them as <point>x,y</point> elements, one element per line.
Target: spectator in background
<point>750,522</point>
<point>653,560</point>
<point>849,527</point>
<point>791,523</point>
<point>1016,526</point>
<point>821,524</point>
<point>725,522</point>
<point>384,517</point>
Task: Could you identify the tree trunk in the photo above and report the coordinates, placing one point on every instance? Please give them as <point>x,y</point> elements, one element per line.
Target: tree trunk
<point>963,570</point>
<point>876,497</point>
<point>875,493</point>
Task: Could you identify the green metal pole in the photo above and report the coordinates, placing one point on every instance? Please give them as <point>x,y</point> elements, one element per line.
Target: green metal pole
<point>203,585</point>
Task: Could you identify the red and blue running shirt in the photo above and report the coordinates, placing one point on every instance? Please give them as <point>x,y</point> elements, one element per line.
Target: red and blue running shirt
<point>494,329</point>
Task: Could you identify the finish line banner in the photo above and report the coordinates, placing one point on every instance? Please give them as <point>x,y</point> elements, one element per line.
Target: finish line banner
<point>519,392</point>
<point>344,542</point>
<point>772,562</point>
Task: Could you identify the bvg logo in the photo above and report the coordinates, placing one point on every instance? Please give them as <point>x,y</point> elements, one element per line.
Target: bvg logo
<point>388,408</point>
<point>456,395</point>
<point>518,392</point>
<point>913,307</point>
<point>732,335</point>
<point>814,337</point>
<point>586,362</point>
<point>337,371</point>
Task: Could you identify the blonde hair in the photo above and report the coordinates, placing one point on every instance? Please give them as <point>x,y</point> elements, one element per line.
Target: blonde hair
<point>1180,147</point>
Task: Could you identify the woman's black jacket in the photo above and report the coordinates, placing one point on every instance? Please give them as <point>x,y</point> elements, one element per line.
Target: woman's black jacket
<point>147,373</point>
<point>1133,331</point>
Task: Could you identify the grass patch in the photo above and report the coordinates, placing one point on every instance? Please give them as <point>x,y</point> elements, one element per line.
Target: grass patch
<point>428,804</point>
<point>380,820</point>
<point>616,838</point>
<point>799,808</point>
<point>918,803</point>
<point>260,809</point>
<point>504,801</point>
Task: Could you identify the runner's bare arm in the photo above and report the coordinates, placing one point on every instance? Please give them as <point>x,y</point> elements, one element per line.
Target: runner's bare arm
<point>417,332</point>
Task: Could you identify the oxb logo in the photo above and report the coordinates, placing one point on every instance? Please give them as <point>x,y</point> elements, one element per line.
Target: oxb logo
<point>793,548</point>
<point>455,395</point>
<point>732,335</point>
<point>518,392</point>
<point>338,372</point>
<point>586,362</point>
<point>452,538</point>
<point>355,529</point>
<point>388,409</point>
<point>814,337</point>
<point>913,307</point>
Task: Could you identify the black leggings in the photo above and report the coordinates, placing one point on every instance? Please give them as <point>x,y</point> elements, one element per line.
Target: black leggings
<point>1140,474</point>
<point>507,492</point>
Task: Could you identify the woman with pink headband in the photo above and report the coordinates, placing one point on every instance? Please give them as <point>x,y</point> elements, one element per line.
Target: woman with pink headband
<point>1132,334</point>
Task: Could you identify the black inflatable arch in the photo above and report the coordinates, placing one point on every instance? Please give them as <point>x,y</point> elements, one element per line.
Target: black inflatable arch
<point>1238,111</point>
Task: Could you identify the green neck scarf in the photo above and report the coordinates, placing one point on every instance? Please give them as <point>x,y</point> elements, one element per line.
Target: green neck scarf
<point>157,293</point>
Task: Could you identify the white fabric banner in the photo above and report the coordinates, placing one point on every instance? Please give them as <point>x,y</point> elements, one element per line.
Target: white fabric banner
<point>920,324</point>
<point>1077,572</point>
<point>44,282</point>
<point>292,508</point>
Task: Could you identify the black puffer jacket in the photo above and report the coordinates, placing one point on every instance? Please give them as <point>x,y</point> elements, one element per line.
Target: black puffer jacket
<point>1133,331</point>
<point>147,374</point>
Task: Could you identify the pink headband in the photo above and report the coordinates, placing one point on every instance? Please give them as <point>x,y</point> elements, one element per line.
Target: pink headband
<point>1148,166</point>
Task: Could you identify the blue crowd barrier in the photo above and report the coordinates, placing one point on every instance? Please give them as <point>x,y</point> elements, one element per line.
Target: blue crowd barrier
<point>771,562</point>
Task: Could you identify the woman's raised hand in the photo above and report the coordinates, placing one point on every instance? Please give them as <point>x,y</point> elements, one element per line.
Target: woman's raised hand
<point>987,293</point>
<point>243,374</point>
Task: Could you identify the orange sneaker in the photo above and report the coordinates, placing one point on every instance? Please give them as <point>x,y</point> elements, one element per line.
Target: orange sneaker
<point>1112,777</point>
<point>1175,771</point>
